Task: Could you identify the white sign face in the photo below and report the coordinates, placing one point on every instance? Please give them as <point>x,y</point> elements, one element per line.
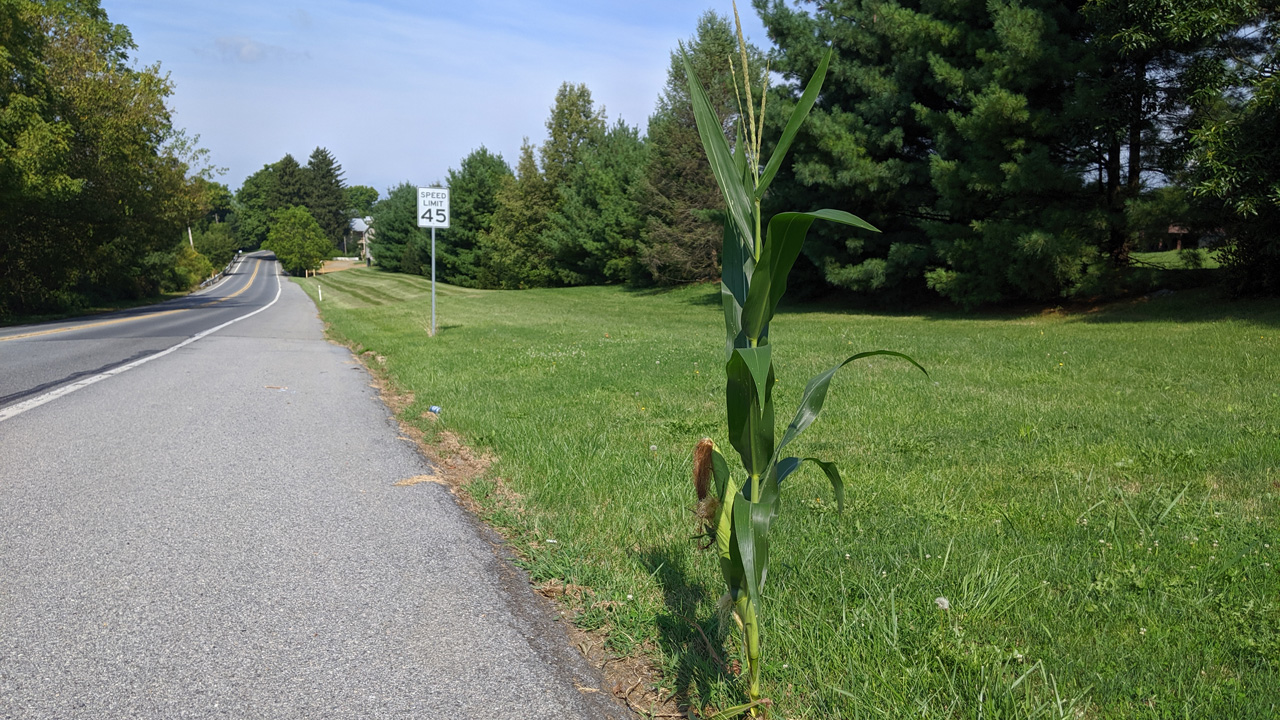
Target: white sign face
<point>433,207</point>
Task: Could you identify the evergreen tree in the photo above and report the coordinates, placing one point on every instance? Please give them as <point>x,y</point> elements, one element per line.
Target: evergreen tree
<point>473,199</point>
<point>593,236</point>
<point>396,235</point>
<point>949,127</point>
<point>574,121</point>
<point>511,253</point>
<point>1150,59</point>
<point>325,194</point>
<point>289,187</point>
<point>683,205</point>
<point>1237,155</point>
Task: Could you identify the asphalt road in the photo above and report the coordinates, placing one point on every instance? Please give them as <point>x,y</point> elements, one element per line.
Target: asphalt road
<point>216,533</point>
<point>36,359</point>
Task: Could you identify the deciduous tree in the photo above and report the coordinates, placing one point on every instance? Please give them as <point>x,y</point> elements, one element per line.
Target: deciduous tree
<point>298,240</point>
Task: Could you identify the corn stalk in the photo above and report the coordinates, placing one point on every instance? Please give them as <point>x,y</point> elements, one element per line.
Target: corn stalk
<point>738,511</point>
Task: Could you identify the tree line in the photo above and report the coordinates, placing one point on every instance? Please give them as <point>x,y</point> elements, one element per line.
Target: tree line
<point>301,212</point>
<point>96,183</point>
<point>1006,151</point>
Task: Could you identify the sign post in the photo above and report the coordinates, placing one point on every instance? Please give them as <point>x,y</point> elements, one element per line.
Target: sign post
<point>433,212</point>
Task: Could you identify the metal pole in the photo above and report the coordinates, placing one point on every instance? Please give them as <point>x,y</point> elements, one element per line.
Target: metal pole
<point>433,281</point>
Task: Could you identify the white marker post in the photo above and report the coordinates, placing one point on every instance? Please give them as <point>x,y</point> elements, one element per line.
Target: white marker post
<point>433,212</point>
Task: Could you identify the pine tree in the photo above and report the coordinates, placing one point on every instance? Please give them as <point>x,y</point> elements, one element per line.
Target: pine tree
<point>396,236</point>
<point>593,236</point>
<point>473,199</point>
<point>289,186</point>
<point>950,127</point>
<point>325,194</point>
<point>511,253</point>
<point>573,122</point>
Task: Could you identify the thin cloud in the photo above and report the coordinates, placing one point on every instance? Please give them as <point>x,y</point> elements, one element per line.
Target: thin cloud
<point>248,50</point>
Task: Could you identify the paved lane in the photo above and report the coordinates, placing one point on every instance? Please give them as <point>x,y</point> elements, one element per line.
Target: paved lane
<point>217,534</point>
<point>35,359</point>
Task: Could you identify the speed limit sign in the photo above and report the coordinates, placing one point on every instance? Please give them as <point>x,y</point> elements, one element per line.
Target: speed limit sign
<point>433,207</point>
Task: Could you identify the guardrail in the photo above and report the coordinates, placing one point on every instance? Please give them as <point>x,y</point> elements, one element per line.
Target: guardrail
<point>234,261</point>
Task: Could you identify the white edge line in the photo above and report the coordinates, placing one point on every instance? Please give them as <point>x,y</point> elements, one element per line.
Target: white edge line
<point>35,402</point>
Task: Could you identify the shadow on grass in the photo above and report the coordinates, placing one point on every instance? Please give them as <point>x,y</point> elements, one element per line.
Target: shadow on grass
<point>694,644</point>
<point>1208,304</point>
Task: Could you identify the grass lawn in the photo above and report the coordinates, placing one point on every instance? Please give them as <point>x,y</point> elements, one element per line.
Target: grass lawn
<point>1172,259</point>
<point>1096,494</point>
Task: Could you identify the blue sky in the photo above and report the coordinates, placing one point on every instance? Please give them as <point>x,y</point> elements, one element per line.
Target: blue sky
<point>400,90</point>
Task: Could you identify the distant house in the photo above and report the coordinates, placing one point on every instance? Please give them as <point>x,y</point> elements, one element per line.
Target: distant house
<point>362,232</point>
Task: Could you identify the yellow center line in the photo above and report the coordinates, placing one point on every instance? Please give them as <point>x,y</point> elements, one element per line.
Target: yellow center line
<point>130,319</point>
<point>246,287</point>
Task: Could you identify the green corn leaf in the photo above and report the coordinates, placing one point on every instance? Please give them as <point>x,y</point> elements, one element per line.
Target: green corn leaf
<point>738,265</point>
<point>781,248</point>
<point>801,111</point>
<point>720,471</point>
<point>815,394</point>
<point>736,195</point>
<point>751,426</point>
<point>759,361</point>
<point>751,521</point>
<point>786,466</point>
<point>726,543</point>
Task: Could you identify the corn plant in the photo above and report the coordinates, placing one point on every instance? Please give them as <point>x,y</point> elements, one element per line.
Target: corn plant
<point>738,510</point>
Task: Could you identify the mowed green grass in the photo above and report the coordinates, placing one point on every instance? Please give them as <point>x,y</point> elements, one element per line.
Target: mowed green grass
<point>1096,495</point>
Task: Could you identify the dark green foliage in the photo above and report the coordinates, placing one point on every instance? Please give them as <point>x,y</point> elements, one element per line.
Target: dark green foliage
<point>949,126</point>
<point>360,200</point>
<point>93,176</point>
<point>216,200</point>
<point>298,241</point>
<point>325,194</point>
<point>289,184</point>
<point>1238,161</point>
<point>512,253</point>
<point>573,123</point>
<point>594,234</point>
<point>396,236</point>
<point>253,209</point>
<point>218,243</point>
<point>679,195</point>
<point>473,199</point>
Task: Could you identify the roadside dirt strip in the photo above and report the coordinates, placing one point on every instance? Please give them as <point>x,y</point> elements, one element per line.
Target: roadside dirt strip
<point>220,533</point>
